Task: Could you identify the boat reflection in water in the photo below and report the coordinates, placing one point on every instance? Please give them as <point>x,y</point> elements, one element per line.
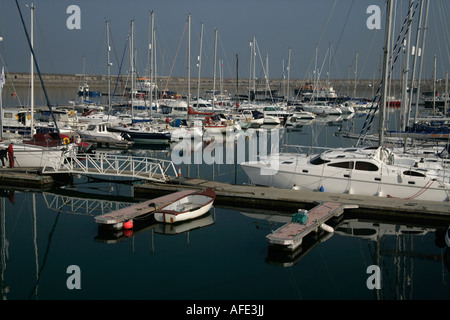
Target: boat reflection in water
<point>183,227</point>
<point>141,225</point>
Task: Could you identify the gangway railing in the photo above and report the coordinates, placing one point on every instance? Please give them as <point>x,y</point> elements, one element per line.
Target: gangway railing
<point>158,170</point>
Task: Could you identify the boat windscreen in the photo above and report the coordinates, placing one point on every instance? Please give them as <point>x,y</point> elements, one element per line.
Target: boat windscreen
<point>318,160</point>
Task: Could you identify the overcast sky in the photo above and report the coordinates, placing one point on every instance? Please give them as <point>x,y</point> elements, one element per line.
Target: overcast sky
<point>277,25</point>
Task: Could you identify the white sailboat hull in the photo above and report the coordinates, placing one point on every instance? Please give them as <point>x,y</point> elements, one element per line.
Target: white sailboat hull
<point>30,156</point>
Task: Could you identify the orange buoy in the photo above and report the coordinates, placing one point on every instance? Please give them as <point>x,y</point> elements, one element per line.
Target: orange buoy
<point>179,171</point>
<point>128,224</point>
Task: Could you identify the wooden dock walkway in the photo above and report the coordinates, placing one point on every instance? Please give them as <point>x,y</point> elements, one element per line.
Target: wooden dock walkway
<point>25,177</point>
<point>290,236</point>
<point>116,219</point>
<point>250,196</point>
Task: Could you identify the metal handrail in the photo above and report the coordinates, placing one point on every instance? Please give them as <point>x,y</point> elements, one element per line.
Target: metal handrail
<point>116,165</point>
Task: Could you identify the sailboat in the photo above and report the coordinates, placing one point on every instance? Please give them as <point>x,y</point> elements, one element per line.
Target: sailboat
<point>33,155</point>
<point>84,89</point>
<point>140,132</point>
<point>373,171</point>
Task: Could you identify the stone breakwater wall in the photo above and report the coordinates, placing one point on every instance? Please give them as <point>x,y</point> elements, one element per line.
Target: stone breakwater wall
<point>179,84</point>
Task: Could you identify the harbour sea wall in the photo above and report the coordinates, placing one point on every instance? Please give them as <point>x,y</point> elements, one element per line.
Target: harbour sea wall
<point>180,84</point>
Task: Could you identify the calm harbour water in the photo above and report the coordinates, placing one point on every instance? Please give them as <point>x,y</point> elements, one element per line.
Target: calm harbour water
<point>228,258</point>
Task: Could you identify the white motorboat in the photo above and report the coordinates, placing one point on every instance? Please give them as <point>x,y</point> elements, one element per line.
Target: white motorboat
<point>187,207</point>
<point>321,108</point>
<point>274,115</point>
<point>98,132</point>
<point>95,116</point>
<point>372,171</point>
<point>173,107</point>
<point>142,133</point>
<point>299,117</point>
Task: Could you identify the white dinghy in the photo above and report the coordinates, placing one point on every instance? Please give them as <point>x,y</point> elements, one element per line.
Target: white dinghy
<point>188,207</point>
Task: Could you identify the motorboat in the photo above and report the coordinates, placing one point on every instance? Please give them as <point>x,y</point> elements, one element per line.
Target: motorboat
<point>98,132</point>
<point>180,129</point>
<point>321,108</point>
<point>94,116</point>
<point>274,115</point>
<point>142,133</point>
<point>299,116</point>
<point>371,171</point>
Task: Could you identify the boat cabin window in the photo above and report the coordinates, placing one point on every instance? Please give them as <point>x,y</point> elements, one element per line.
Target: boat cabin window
<point>91,127</point>
<point>287,162</point>
<point>344,164</point>
<point>7,115</point>
<point>413,174</point>
<point>318,160</point>
<point>366,166</point>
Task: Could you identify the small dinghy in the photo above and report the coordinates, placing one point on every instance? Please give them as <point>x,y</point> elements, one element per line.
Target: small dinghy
<point>188,207</point>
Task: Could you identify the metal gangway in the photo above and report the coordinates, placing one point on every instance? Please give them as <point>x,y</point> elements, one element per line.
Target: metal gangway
<point>145,168</point>
<point>82,206</point>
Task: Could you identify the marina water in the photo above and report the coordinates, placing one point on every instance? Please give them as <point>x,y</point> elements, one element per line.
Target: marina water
<point>44,233</point>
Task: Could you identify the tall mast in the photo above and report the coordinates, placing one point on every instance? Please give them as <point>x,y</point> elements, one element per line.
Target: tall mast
<point>221,79</point>
<point>356,74</point>
<point>266,76</point>
<point>254,66</point>
<point>446,98</point>
<point>250,70</point>
<point>151,60</point>
<point>38,70</point>
<point>425,27</point>
<point>189,63</point>
<point>215,64</point>
<point>416,54</point>
<point>108,48</point>
<point>315,75</point>
<point>434,86</point>
<point>387,49</point>
<point>237,81</point>
<point>32,71</point>
<point>404,108</point>
<point>288,76</point>
<point>329,65</point>
<point>155,70</point>
<point>132,67</point>
<point>199,65</point>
